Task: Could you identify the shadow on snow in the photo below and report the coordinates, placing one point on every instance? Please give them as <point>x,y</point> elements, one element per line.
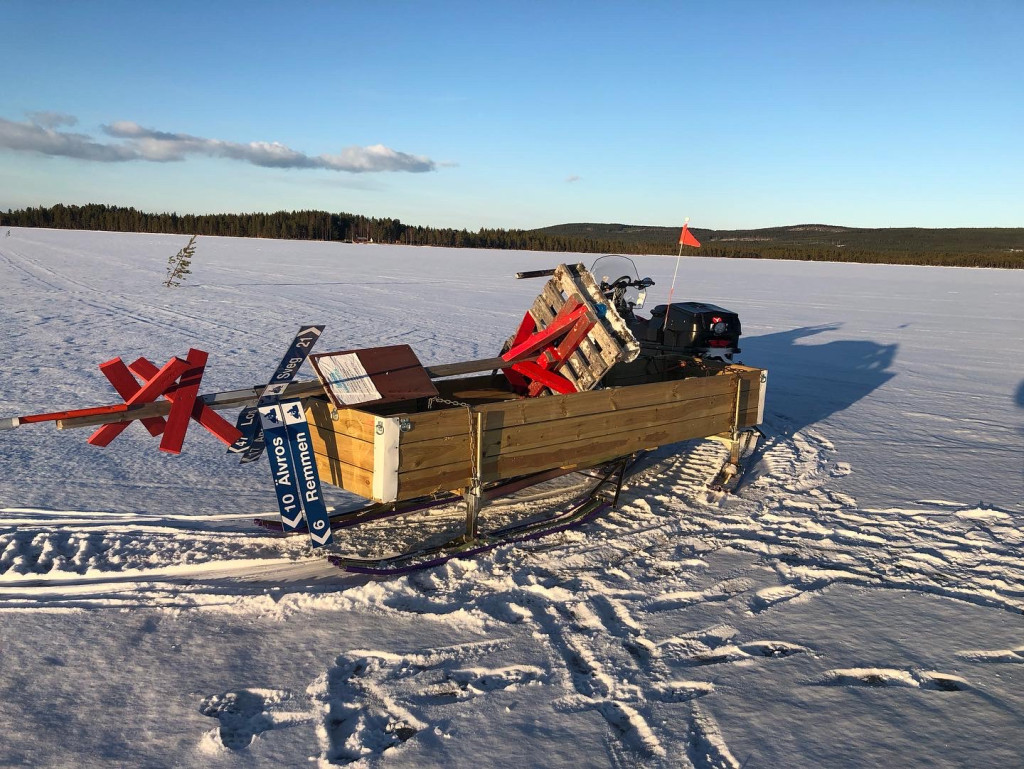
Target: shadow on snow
<point>810,382</point>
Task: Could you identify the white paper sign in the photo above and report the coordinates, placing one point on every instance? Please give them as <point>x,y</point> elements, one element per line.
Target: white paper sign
<point>346,379</point>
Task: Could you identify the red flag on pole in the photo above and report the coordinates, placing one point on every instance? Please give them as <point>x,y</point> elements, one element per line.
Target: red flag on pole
<point>686,238</point>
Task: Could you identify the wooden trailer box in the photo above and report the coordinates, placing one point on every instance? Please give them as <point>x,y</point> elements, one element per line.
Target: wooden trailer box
<point>495,435</point>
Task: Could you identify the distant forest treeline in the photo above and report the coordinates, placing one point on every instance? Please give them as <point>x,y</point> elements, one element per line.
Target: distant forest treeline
<point>961,247</point>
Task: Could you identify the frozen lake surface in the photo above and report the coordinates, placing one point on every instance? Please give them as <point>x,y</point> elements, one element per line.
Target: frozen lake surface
<point>856,604</point>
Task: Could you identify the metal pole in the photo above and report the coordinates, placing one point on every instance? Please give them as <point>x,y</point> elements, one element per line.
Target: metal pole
<point>734,449</point>
<point>101,415</point>
<point>474,494</point>
<point>672,288</point>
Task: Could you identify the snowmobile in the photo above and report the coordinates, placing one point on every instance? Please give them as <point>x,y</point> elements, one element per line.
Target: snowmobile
<point>679,340</point>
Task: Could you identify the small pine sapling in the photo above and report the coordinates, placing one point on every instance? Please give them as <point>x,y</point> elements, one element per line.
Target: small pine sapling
<point>178,266</point>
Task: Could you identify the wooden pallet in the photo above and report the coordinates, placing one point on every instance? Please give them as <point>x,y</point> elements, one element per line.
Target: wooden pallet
<point>609,341</point>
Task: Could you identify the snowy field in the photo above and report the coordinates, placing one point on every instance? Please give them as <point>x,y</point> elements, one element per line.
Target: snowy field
<point>858,603</point>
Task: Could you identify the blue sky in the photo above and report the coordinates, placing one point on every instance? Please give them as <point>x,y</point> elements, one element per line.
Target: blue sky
<point>476,114</point>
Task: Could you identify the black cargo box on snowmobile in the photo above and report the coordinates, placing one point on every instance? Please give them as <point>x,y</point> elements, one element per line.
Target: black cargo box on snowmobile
<point>694,328</point>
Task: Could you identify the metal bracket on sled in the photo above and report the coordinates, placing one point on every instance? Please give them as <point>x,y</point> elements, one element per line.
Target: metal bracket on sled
<point>741,445</point>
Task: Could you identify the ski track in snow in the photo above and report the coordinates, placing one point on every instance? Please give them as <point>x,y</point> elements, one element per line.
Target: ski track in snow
<point>588,597</point>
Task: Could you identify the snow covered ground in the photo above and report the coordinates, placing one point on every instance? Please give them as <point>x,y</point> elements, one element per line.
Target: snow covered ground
<point>857,604</point>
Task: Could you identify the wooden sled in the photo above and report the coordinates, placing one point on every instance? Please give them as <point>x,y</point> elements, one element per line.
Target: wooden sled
<point>404,436</point>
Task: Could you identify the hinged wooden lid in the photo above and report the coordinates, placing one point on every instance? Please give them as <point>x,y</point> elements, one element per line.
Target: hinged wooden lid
<point>374,375</point>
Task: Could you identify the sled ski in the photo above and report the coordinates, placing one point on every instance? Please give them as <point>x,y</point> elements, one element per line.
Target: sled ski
<point>364,514</point>
<point>741,447</point>
<point>603,495</point>
<point>378,511</point>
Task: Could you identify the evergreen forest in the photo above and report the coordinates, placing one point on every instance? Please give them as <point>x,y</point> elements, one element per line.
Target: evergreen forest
<point>959,247</point>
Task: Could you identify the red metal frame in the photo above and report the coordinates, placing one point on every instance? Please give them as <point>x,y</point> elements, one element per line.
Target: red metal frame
<point>555,343</point>
<point>223,430</point>
<point>178,381</point>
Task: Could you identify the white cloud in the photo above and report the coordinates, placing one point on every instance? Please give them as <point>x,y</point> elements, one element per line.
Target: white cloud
<point>376,158</point>
<point>31,137</point>
<point>51,119</point>
<point>135,142</point>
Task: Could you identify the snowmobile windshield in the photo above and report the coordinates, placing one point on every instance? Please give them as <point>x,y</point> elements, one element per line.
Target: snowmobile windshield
<point>612,269</point>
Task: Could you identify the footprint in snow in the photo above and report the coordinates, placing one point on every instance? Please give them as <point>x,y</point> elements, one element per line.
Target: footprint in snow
<point>470,682</point>
<point>772,596</point>
<point>711,649</point>
<point>772,649</point>
<point>891,677</point>
<point>246,713</point>
<point>1012,656</point>
<point>362,717</point>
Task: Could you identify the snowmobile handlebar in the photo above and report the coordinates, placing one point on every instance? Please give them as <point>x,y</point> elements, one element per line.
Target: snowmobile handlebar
<point>625,282</point>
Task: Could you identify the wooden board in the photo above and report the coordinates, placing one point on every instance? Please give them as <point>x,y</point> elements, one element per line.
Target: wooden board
<point>353,422</point>
<point>394,372</point>
<point>578,430</point>
<point>434,425</point>
<point>344,448</point>
<point>355,479</point>
<point>608,446</point>
<point>453,472</point>
<point>421,483</point>
<point>536,410</point>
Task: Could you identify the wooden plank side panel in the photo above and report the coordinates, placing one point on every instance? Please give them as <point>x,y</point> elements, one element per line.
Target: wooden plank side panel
<point>531,435</point>
<point>744,370</point>
<point>749,418</point>
<point>748,397</point>
<point>440,452</point>
<point>354,479</point>
<point>353,422</point>
<point>344,434</point>
<point>431,425</point>
<point>420,483</point>
<point>750,392</point>
<point>607,447</point>
<point>344,448</point>
<point>570,431</point>
<point>436,453</point>
<point>536,410</point>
